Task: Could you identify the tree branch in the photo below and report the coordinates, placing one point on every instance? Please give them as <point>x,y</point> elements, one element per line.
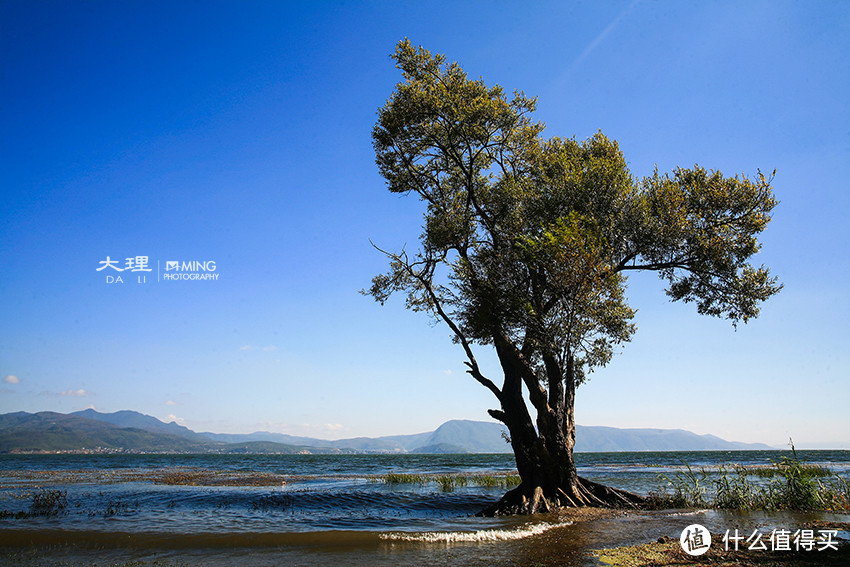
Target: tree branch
<point>536,392</point>
<point>424,277</point>
<point>474,370</point>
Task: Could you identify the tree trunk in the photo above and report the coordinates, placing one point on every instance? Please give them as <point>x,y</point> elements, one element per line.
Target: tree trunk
<point>544,456</point>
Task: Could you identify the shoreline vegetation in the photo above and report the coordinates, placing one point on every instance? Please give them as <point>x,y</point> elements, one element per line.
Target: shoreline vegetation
<point>787,484</point>
<point>448,482</point>
<point>188,476</point>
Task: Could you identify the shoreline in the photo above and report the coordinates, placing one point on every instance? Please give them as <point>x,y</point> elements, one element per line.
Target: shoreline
<point>668,551</point>
<point>582,537</point>
<point>365,512</point>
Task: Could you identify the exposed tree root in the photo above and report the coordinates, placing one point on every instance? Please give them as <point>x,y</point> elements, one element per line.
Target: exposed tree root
<point>522,501</point>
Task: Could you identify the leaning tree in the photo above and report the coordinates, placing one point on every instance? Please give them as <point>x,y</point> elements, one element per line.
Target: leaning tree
<point>526,246</point>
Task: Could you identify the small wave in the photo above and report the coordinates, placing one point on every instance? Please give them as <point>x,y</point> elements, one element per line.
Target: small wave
<point>692,513</point>
<point>475,537</point>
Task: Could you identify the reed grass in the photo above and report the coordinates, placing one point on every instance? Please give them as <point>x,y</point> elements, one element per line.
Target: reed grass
<point>497,481</point>
<point>787,484</point>
<point>403,478</point>
<point>48,502</point>
<point>45,502</point>
<point>806,470</point>
<point>449,482</point>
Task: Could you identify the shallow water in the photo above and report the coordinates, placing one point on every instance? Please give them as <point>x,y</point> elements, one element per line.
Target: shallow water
<point>333,510</point>
<point>550,540</point>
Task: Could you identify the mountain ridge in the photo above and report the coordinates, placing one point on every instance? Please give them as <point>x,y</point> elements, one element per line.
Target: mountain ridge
<point>127,430</point>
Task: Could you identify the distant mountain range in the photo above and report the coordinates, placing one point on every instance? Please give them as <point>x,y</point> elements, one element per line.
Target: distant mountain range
<point>452,437</point>
<point>89,430</point>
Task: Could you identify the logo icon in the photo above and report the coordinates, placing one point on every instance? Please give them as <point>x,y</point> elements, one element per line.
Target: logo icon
<point>695,539</point>
<point>169,265</point>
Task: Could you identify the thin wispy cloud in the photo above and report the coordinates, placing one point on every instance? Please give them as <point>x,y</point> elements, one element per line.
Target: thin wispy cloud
<point>75,393</point>
<point>12,379</point>
<point>597,41</point>
<point>171,403</point>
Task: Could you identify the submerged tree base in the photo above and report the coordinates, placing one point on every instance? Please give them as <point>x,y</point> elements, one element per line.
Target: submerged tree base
<point>584,493</point>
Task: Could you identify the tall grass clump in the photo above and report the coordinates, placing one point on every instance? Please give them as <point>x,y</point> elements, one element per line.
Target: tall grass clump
<point>496,480</point>
<point>403,478</point>
<point>449,482</point>
<point>48,502</point>
<point>803,488</point>
<point>690,490</point>
<point>806,470</point>
<point>788,484</point>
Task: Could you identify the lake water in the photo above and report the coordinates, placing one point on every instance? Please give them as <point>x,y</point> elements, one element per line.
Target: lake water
<point>332,509</point>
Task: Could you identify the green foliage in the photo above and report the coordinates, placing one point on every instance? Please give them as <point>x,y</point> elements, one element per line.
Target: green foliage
<point>448,482</point>
<point>689,490</point>
<point>788,484</point>
<point>403,478</point>
<point>704,220</point>
<point>527,241</point>
<point>807,470</point>
<point>497,481</point>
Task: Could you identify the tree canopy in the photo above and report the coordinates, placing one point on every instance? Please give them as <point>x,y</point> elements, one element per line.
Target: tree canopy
<point>527,241</point>
<point>539,234</point>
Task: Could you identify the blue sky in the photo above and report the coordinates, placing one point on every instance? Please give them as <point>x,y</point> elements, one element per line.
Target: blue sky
<point>239,132</point>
